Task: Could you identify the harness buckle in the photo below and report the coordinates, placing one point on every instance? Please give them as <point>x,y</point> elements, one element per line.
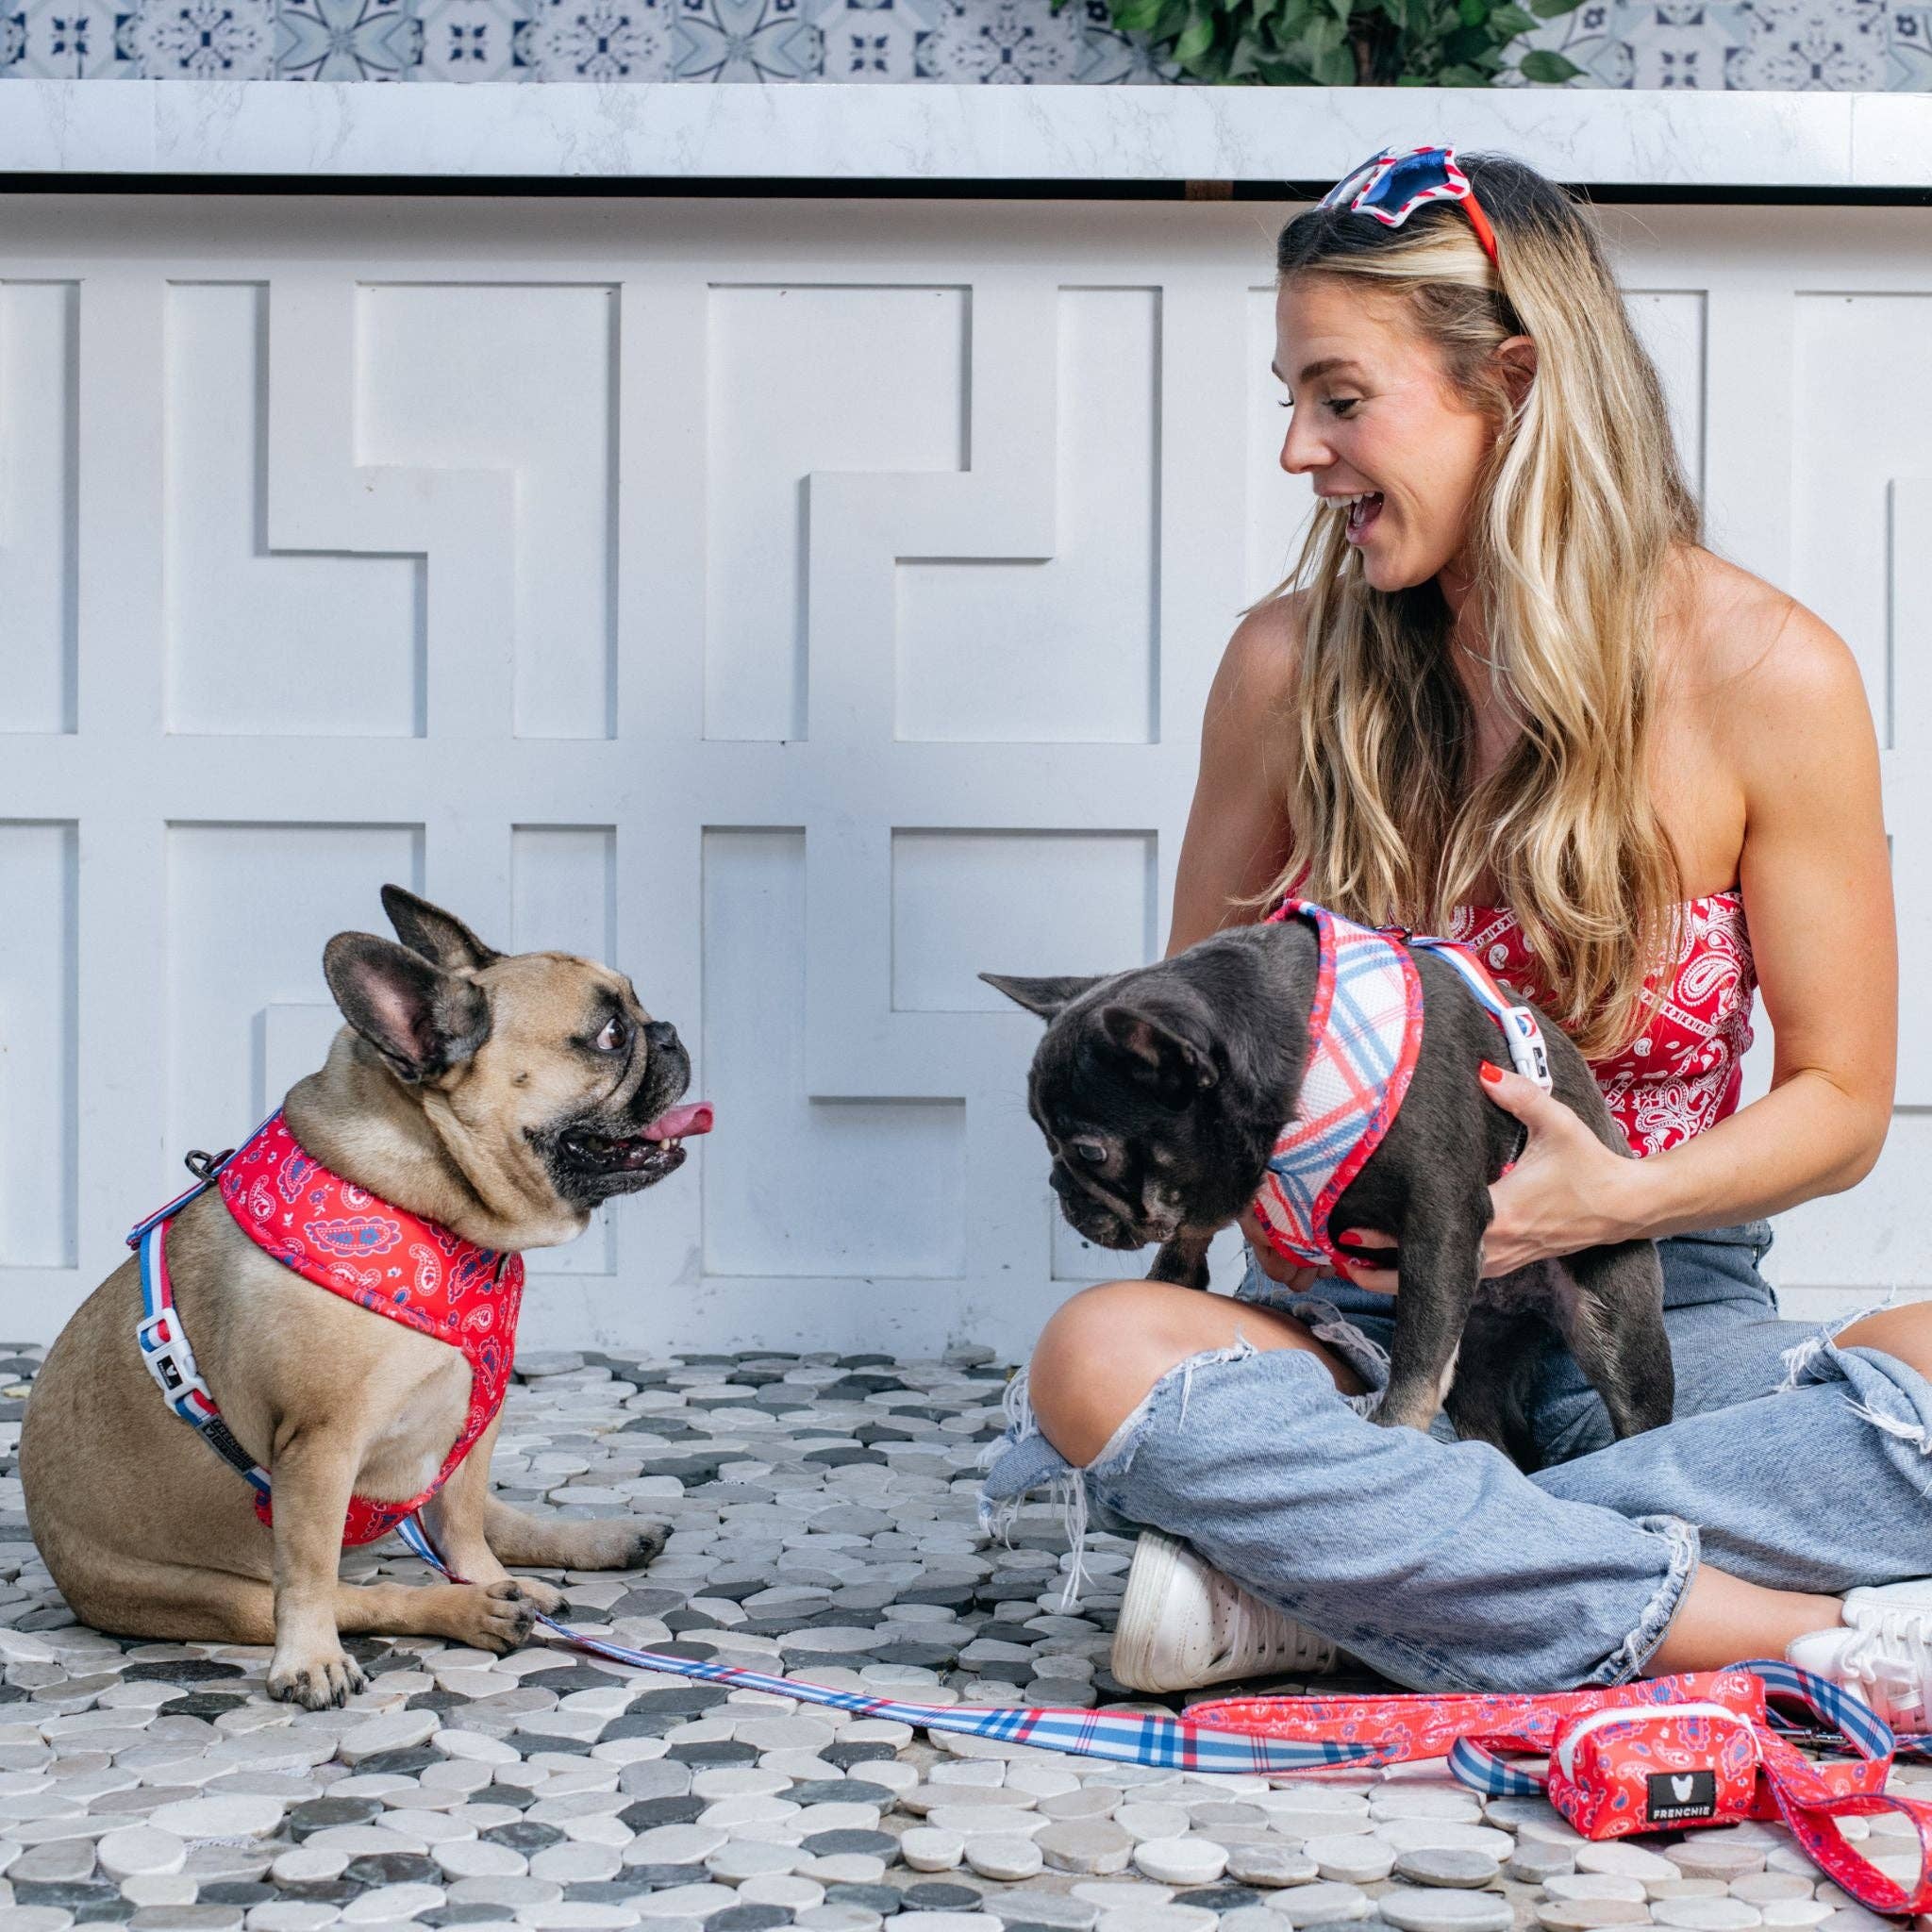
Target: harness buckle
<point>1526,1047</point>
<point>166,1356</point>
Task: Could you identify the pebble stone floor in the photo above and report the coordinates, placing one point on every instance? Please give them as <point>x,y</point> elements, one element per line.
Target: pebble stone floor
<point>824,1527</point>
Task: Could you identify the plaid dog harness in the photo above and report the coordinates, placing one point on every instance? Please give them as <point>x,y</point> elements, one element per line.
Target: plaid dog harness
<point>1365,1030</point>
<point>350,1241</point>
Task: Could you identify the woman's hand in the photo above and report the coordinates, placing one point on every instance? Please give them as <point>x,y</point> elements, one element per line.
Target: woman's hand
<point>1567,1190</point>
<point>1274,1266</point>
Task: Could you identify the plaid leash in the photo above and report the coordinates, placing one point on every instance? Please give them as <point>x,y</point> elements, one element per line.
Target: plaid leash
<point>1296,1735</point>
<point>1131,1738</point>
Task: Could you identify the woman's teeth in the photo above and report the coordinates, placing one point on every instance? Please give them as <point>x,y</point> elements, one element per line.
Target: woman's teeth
<point>1362,511</point>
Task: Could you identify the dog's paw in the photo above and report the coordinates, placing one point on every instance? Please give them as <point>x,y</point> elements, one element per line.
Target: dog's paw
<point>548,1598</point>
<point>647,1544</point>
<point>496,1616</point>
<point>612,1544</point>
<point>315,1682</point>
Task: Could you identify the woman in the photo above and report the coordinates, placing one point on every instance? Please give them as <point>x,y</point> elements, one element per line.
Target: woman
<point>1510,697</point>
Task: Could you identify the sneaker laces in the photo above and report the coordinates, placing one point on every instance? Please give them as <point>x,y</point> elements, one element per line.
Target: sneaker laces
<point>1893,1653</point>
<point>1261,1633</point>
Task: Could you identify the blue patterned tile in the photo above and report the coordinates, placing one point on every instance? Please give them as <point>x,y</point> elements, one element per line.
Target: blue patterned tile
<point>199,40</point>
<point>1784,44</point>
<point>745,40</point>
<point>59,39</point>
<point>1113,59</point>
<point>1001,40</point>
<point>867,40</point>
<point>1806,46</point>
<point>468,40</point>
<point>346,40</point>
<point>595,39</point>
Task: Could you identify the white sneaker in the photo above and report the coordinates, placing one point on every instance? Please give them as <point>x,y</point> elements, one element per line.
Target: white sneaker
<point>1183,1624</point>
<point>1882,1652</point>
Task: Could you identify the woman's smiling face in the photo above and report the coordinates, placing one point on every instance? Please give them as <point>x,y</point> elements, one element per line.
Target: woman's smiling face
<point>1375,418</point>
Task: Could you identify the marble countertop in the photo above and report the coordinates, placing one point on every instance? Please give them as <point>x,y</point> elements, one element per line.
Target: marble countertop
<point>304,131</point>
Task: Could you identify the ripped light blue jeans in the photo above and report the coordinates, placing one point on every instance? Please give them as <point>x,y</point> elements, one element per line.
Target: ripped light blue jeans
<point>1792,1463</point>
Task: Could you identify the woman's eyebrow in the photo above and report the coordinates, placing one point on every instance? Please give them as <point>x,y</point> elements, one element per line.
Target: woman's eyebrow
<point>1326,366</point>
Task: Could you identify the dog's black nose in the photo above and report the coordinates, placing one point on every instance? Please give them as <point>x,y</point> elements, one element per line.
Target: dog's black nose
<point>660,1035</point>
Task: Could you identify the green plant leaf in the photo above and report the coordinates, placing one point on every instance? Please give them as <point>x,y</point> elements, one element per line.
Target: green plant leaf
<point>1459,75</point>
<point>1195,38</point>
<point>1335,68</point>
<point>1510,21</point>
<point>1548,69</point>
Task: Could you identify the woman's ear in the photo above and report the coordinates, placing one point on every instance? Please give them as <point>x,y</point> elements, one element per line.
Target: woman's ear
<point>1518,359</point>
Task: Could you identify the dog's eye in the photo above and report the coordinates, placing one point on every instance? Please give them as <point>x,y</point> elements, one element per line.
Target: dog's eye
<point>1092,1152</point>
<point>615,1035</point>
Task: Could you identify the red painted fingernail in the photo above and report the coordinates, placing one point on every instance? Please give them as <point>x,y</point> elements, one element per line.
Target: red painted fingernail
<point>1491,1074</point>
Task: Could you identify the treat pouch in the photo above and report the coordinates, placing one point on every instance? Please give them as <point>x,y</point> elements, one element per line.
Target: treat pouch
<point>1666,1768</point>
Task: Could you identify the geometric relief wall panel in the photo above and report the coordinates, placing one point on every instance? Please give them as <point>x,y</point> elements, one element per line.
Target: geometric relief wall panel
<point>801,379</point>
<point>1061,648</point>
<point>1669,323</point>
<point>39,405</point>
<point>508,377</point>
<point>967,503</point>
<point>38,1044</point>
<point>797,1186</point>
<point>260,641</point>
<point>968,902</point>
<point>1861,422</point>
<point>563,899</point>
<point>249,910</point>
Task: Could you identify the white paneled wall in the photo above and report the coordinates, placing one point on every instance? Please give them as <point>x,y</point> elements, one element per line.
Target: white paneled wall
<point>806,606</point>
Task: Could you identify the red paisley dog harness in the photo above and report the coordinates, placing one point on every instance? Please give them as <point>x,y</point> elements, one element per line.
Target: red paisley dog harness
<point>352,1243</point>
<point>1365,1030</point>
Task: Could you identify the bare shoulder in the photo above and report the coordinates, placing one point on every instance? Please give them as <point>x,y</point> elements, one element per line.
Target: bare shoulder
<point>1257,668</point>
<point>1751,660</point>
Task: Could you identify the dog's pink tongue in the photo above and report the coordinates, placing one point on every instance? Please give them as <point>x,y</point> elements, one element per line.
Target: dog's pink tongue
<point>675,1124</point>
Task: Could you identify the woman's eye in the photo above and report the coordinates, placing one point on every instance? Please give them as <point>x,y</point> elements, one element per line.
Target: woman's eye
<point>1342,405</point>
<point>615,1035</point>
<point>1092,1152</point>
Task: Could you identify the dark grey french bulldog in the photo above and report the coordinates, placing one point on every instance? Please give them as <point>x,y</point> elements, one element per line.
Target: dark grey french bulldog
<point>1161,1091</point>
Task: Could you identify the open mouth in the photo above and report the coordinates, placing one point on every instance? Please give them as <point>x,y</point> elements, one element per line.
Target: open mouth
<point>1364,511</point>
<point>647,1156</point>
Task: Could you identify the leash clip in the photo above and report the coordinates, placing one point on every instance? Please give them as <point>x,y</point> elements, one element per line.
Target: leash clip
<point>166,1356</point>
<point>205,1166</point>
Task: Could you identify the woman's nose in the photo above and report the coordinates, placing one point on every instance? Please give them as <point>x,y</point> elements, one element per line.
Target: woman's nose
<point>1301,448</point>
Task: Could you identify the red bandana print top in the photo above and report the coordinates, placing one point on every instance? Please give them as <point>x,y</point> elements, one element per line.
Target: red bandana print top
<point>1682,1073</point>
<point>386,1259</point>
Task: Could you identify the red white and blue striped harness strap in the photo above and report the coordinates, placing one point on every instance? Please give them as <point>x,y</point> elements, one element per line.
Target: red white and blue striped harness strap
<point>1365,1030</point>
<point>164,1350</point>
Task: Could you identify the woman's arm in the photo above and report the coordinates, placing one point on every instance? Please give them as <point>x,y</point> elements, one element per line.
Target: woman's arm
<point>1237,837</point>
<point>1238,834</point>
<point>1817,885</point>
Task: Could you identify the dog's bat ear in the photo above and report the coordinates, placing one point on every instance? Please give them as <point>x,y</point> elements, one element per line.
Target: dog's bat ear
<point>1175,1066</point>
<point>1049,998</point>
<point>435,935</point>
<point>421,1019</point>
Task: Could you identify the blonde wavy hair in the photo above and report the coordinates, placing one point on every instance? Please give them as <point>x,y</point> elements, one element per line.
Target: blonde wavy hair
<point>1575,515</point>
